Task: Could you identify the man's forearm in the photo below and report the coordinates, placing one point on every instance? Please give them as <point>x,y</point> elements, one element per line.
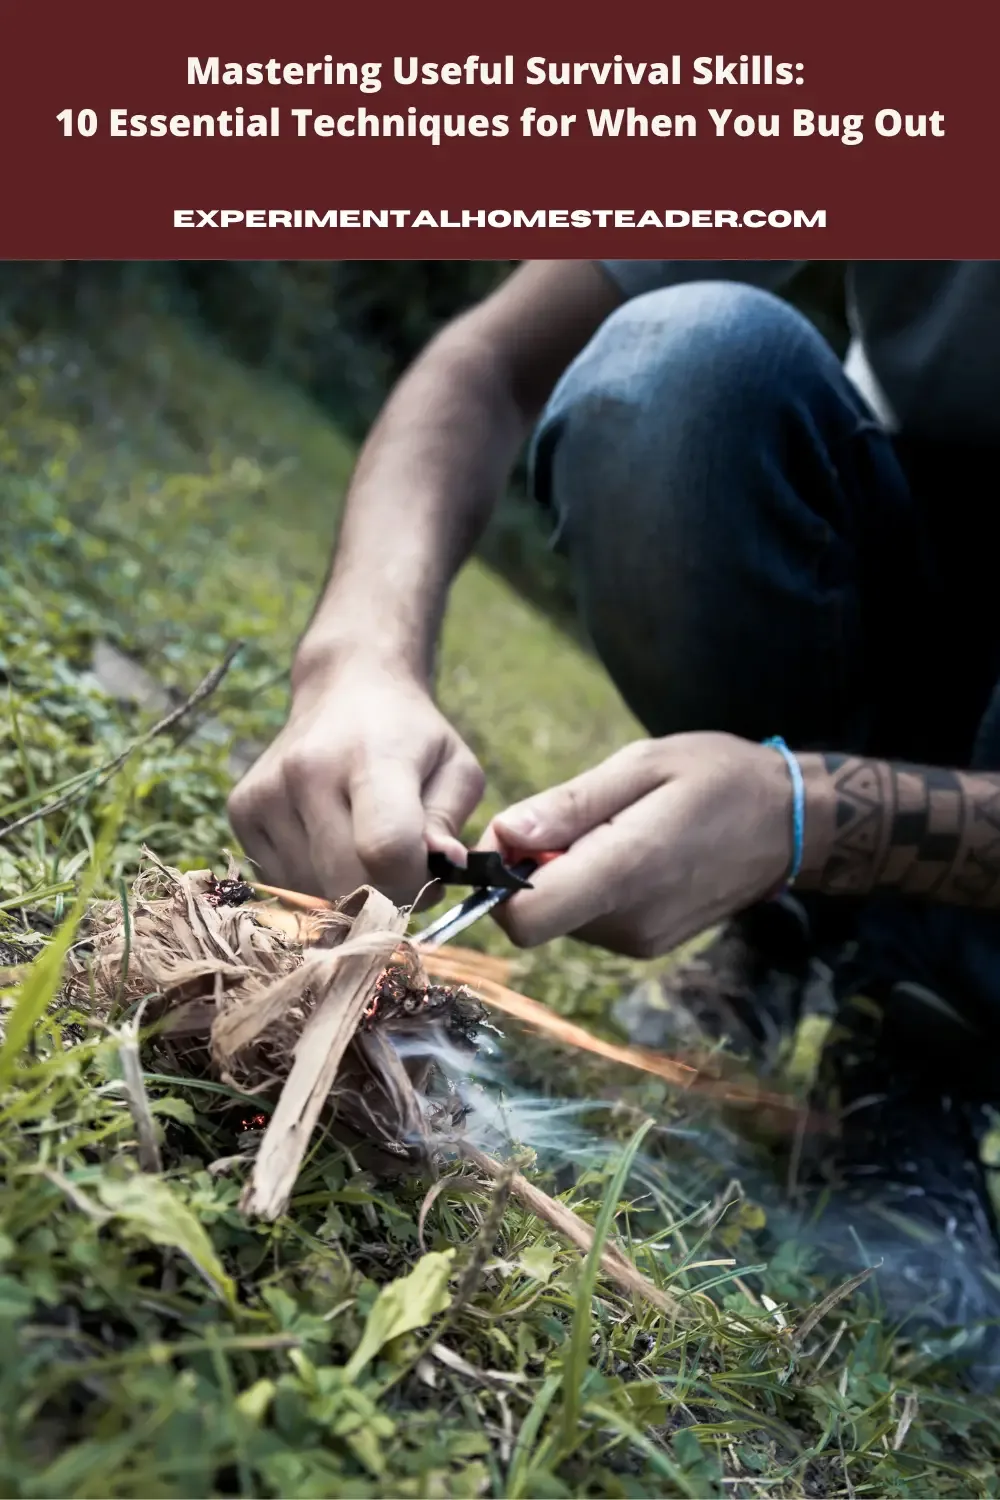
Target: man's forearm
<point>437,460</point>
<point>423,489</point>
<point>917,830</point>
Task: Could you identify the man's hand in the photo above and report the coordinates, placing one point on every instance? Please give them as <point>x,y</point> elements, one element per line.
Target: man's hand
<point>364,779</point>
<point>663,840</point>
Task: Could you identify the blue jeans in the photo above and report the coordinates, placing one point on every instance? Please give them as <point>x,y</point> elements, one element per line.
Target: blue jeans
<point>753,553</point>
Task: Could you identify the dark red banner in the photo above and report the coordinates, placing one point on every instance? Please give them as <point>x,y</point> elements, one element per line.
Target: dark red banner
<point>235,129</point>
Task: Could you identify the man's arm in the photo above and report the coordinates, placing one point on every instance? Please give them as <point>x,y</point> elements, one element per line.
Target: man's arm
<point>921,831</point>
<point>367,774</point>
<point>438,458</point>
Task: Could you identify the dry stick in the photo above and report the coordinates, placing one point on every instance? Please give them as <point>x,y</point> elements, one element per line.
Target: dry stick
<point>295,899</point>
<point>615,1265</point>
<point>103,773</point>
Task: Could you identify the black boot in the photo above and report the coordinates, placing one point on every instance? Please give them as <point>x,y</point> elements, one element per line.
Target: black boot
<point>745,987</point>
<point>908,1077</point>
<point>904,1187</point>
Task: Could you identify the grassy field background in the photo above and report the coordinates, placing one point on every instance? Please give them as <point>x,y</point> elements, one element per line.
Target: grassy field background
<point>160,493</point>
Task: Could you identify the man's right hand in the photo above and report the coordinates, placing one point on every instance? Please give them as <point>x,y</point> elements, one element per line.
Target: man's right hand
<point>365,778</point>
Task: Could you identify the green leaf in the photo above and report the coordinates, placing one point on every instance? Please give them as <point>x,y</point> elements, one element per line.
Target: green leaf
<point>538,1261</point>
<point>174,1109</point>
<point>253,1403</point>
<point>42,983</point>
<point>365,1446</point>
<point>150,1207</point>
<point>15,1300</point>
<point>404,1305</point>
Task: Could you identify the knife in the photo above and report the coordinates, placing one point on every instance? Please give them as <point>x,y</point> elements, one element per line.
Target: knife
<point>494,882</point>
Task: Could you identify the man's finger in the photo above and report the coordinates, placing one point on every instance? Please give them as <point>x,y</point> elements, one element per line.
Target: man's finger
<point>320,844</point>
<point>256,807</point>
<point>451,796</point>
<point>557,818</point>
<point>387,815</point>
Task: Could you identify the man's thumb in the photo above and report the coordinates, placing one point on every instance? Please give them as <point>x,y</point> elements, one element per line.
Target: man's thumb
<point>557,818</point>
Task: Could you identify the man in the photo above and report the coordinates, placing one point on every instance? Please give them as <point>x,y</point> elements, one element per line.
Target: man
<point>764,544</point>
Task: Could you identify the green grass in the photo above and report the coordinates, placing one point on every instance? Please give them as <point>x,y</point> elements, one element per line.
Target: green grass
<point>154,1343</point>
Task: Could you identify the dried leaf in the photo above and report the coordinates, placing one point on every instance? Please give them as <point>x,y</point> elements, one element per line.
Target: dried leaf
<point>829,1302</point>
<point>237,1028</point>
<point>352,977</point>
<point>409,1303</point>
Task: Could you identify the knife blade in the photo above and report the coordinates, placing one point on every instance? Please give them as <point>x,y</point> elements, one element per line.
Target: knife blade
<point>481,902</point>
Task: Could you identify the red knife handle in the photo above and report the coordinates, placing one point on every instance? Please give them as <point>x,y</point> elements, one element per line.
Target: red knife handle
<point>524,864</point>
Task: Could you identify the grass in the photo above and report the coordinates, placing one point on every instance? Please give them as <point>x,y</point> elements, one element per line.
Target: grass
<point>154,1343</point>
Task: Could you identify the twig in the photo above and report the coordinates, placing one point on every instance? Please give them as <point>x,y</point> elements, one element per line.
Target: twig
<point>564,1221</point>
<point>910,1409</point>
<point>687,1075</point>
<point>103,773</point>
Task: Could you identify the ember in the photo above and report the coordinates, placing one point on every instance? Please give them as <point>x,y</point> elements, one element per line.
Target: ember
<point>229,892</point>
<point>399,995</point>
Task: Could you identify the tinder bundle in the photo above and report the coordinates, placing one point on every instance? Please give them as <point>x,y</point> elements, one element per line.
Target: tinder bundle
<point>317,1012</point>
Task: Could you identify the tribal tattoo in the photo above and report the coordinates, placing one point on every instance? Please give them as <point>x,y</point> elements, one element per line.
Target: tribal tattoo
<point>916,830</point>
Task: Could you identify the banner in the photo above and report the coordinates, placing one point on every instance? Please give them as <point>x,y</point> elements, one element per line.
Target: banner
<point>244,130</point>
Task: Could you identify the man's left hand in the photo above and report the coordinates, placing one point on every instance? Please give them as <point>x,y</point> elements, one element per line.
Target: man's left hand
<point>663,840</point>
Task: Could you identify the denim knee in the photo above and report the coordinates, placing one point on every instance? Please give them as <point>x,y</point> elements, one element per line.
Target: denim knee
<point>702,458</point>
<point>672,383</point>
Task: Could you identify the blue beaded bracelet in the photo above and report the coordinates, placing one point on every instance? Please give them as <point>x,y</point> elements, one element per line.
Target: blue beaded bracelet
<point>798,804</point>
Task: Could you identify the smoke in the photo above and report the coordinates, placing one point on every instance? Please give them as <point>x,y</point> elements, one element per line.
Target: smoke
<point>930,1286</point>
<point>684,1168</point>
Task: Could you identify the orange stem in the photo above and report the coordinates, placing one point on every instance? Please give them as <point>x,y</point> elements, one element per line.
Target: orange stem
<point>294,898</point>
<point>533,1013</point>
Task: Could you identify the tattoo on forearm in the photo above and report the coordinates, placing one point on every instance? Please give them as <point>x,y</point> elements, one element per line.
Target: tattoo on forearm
<point>917,830</point>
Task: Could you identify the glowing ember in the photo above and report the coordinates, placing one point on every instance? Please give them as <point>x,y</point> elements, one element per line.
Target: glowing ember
<point>228,892</point>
